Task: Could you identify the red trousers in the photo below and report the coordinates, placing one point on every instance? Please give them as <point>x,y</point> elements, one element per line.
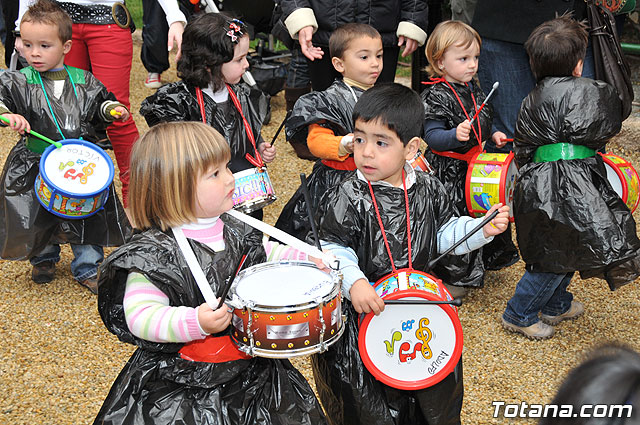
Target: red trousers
<point>106,51</point>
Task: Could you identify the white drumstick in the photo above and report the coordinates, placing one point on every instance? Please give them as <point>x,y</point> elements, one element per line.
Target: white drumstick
<point>486,99</point>
<point>285,238</point>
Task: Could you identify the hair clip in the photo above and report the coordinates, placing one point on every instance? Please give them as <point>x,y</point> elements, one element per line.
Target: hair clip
<point>235,30</point>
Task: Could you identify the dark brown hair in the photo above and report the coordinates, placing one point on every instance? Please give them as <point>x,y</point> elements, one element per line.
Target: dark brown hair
<point>49,12</point>
<point>555,47</point>
<point>342,36</point>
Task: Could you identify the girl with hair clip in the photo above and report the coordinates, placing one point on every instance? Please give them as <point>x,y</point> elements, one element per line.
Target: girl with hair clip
<point>451,100</point>
<point>187,369</point>
<point>214,58</point>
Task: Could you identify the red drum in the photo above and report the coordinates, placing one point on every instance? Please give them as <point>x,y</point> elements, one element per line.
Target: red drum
<point>420,163</point>
<point>490,180</point>
<point>286,309</point>
<point>623,178</point>
<point>411,347</point>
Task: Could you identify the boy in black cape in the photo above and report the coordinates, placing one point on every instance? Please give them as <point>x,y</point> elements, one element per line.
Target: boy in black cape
<point>322,120</point>
<point>388,125</point>
<point>568,217</point>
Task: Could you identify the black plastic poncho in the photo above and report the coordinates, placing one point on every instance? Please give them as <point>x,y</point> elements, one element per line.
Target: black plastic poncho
<point>157,385</point>
<point>331,108</point>
<point>441,104</point>
<point>27,227</point>
<point>568,217</point>
<point>349,393</point>
<point>177,102</point>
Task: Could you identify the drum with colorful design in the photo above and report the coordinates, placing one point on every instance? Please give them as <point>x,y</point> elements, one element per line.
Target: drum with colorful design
<point>491,179</point>
<point>74,179</point>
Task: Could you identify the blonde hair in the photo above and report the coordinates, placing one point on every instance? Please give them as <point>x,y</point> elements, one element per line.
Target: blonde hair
<point>445,35</point>
<point>166,163</point>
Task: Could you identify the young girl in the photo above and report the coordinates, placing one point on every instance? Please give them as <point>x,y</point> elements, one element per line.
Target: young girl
<point>148,296</point>
<point>214,57</point>
<point>451,100</point>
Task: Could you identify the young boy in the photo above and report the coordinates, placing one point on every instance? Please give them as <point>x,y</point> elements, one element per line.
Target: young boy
<point>388,125</point>
<point>322,120</point>
<point>568,217</point>
<point>61,102</point>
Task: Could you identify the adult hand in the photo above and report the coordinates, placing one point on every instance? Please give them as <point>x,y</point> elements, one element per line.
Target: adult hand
<point>304,37</point>
<point>410,45</point>
<point>175,38</point>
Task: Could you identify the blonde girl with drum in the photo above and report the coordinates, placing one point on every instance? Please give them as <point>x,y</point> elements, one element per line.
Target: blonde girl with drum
<point>181,186</point>
<point>452,99</point>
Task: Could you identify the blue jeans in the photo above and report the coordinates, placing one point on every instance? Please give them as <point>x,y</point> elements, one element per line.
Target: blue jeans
<point>508,63</point>
<point>84,265</point>
<point>298,72</point>
<point>544,293</point>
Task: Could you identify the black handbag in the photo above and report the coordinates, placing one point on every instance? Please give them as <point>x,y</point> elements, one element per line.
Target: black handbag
<point>610,64</point>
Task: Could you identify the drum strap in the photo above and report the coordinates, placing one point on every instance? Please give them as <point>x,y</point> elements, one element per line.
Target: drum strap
<point>194,266</point>
<point>257,161</point>
<point>461,156</point>
<point>55,120</point>
<point>478,133</point>
<point>384,235</point>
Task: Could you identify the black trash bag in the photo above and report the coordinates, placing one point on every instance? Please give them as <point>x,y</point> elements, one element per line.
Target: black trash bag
<point>157,385</point>
<point>331,108</point>
<point>28,227</point>
<point>177,102</point>
<point>568,217</point>
<point>349,393</point>
<point>270,75</point>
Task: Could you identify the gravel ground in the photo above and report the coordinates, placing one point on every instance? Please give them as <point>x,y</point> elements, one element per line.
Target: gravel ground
<point>59,360</point>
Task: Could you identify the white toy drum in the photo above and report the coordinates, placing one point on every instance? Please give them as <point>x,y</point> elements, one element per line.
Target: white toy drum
<point>411,346</point>
<point>286,309</point>
<point>74,179</point>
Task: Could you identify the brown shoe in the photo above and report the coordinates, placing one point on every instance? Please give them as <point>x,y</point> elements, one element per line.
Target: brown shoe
<point>538,330</point>
<point>43,272</point>
<point>576,310</point>
<point>91,284</point>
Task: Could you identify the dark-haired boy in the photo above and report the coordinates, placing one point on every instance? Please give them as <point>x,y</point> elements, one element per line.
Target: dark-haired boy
<point>568,217</point>
<point>60,102</point>
<point>322,120</point>
<point>388,126</point>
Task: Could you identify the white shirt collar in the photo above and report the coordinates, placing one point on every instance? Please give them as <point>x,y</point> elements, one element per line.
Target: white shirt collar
<point>409,179</point>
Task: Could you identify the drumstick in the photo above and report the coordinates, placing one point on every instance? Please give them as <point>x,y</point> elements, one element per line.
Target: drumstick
<point>456,301</point>
<point>281,126</point>
<point>34,133</point>
<point>227,284</point>
<point>486,220</point>
<point>495,86</point>
<point>307,199</point>
<point>285,238</point>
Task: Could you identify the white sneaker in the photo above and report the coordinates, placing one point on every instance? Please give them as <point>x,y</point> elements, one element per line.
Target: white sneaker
<point>153,80</point>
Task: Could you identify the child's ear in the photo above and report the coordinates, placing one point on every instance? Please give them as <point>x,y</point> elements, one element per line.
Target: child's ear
<point>66,47</point>
<point>412,147</point>
<point>338,64</point>
<point>577,71</point>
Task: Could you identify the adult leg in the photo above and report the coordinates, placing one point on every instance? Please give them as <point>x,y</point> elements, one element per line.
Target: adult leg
<point>508,64</point>
<point>389,65</point>
<point>153,54</point>
<point>321,71</point>
<point>109,51</point>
